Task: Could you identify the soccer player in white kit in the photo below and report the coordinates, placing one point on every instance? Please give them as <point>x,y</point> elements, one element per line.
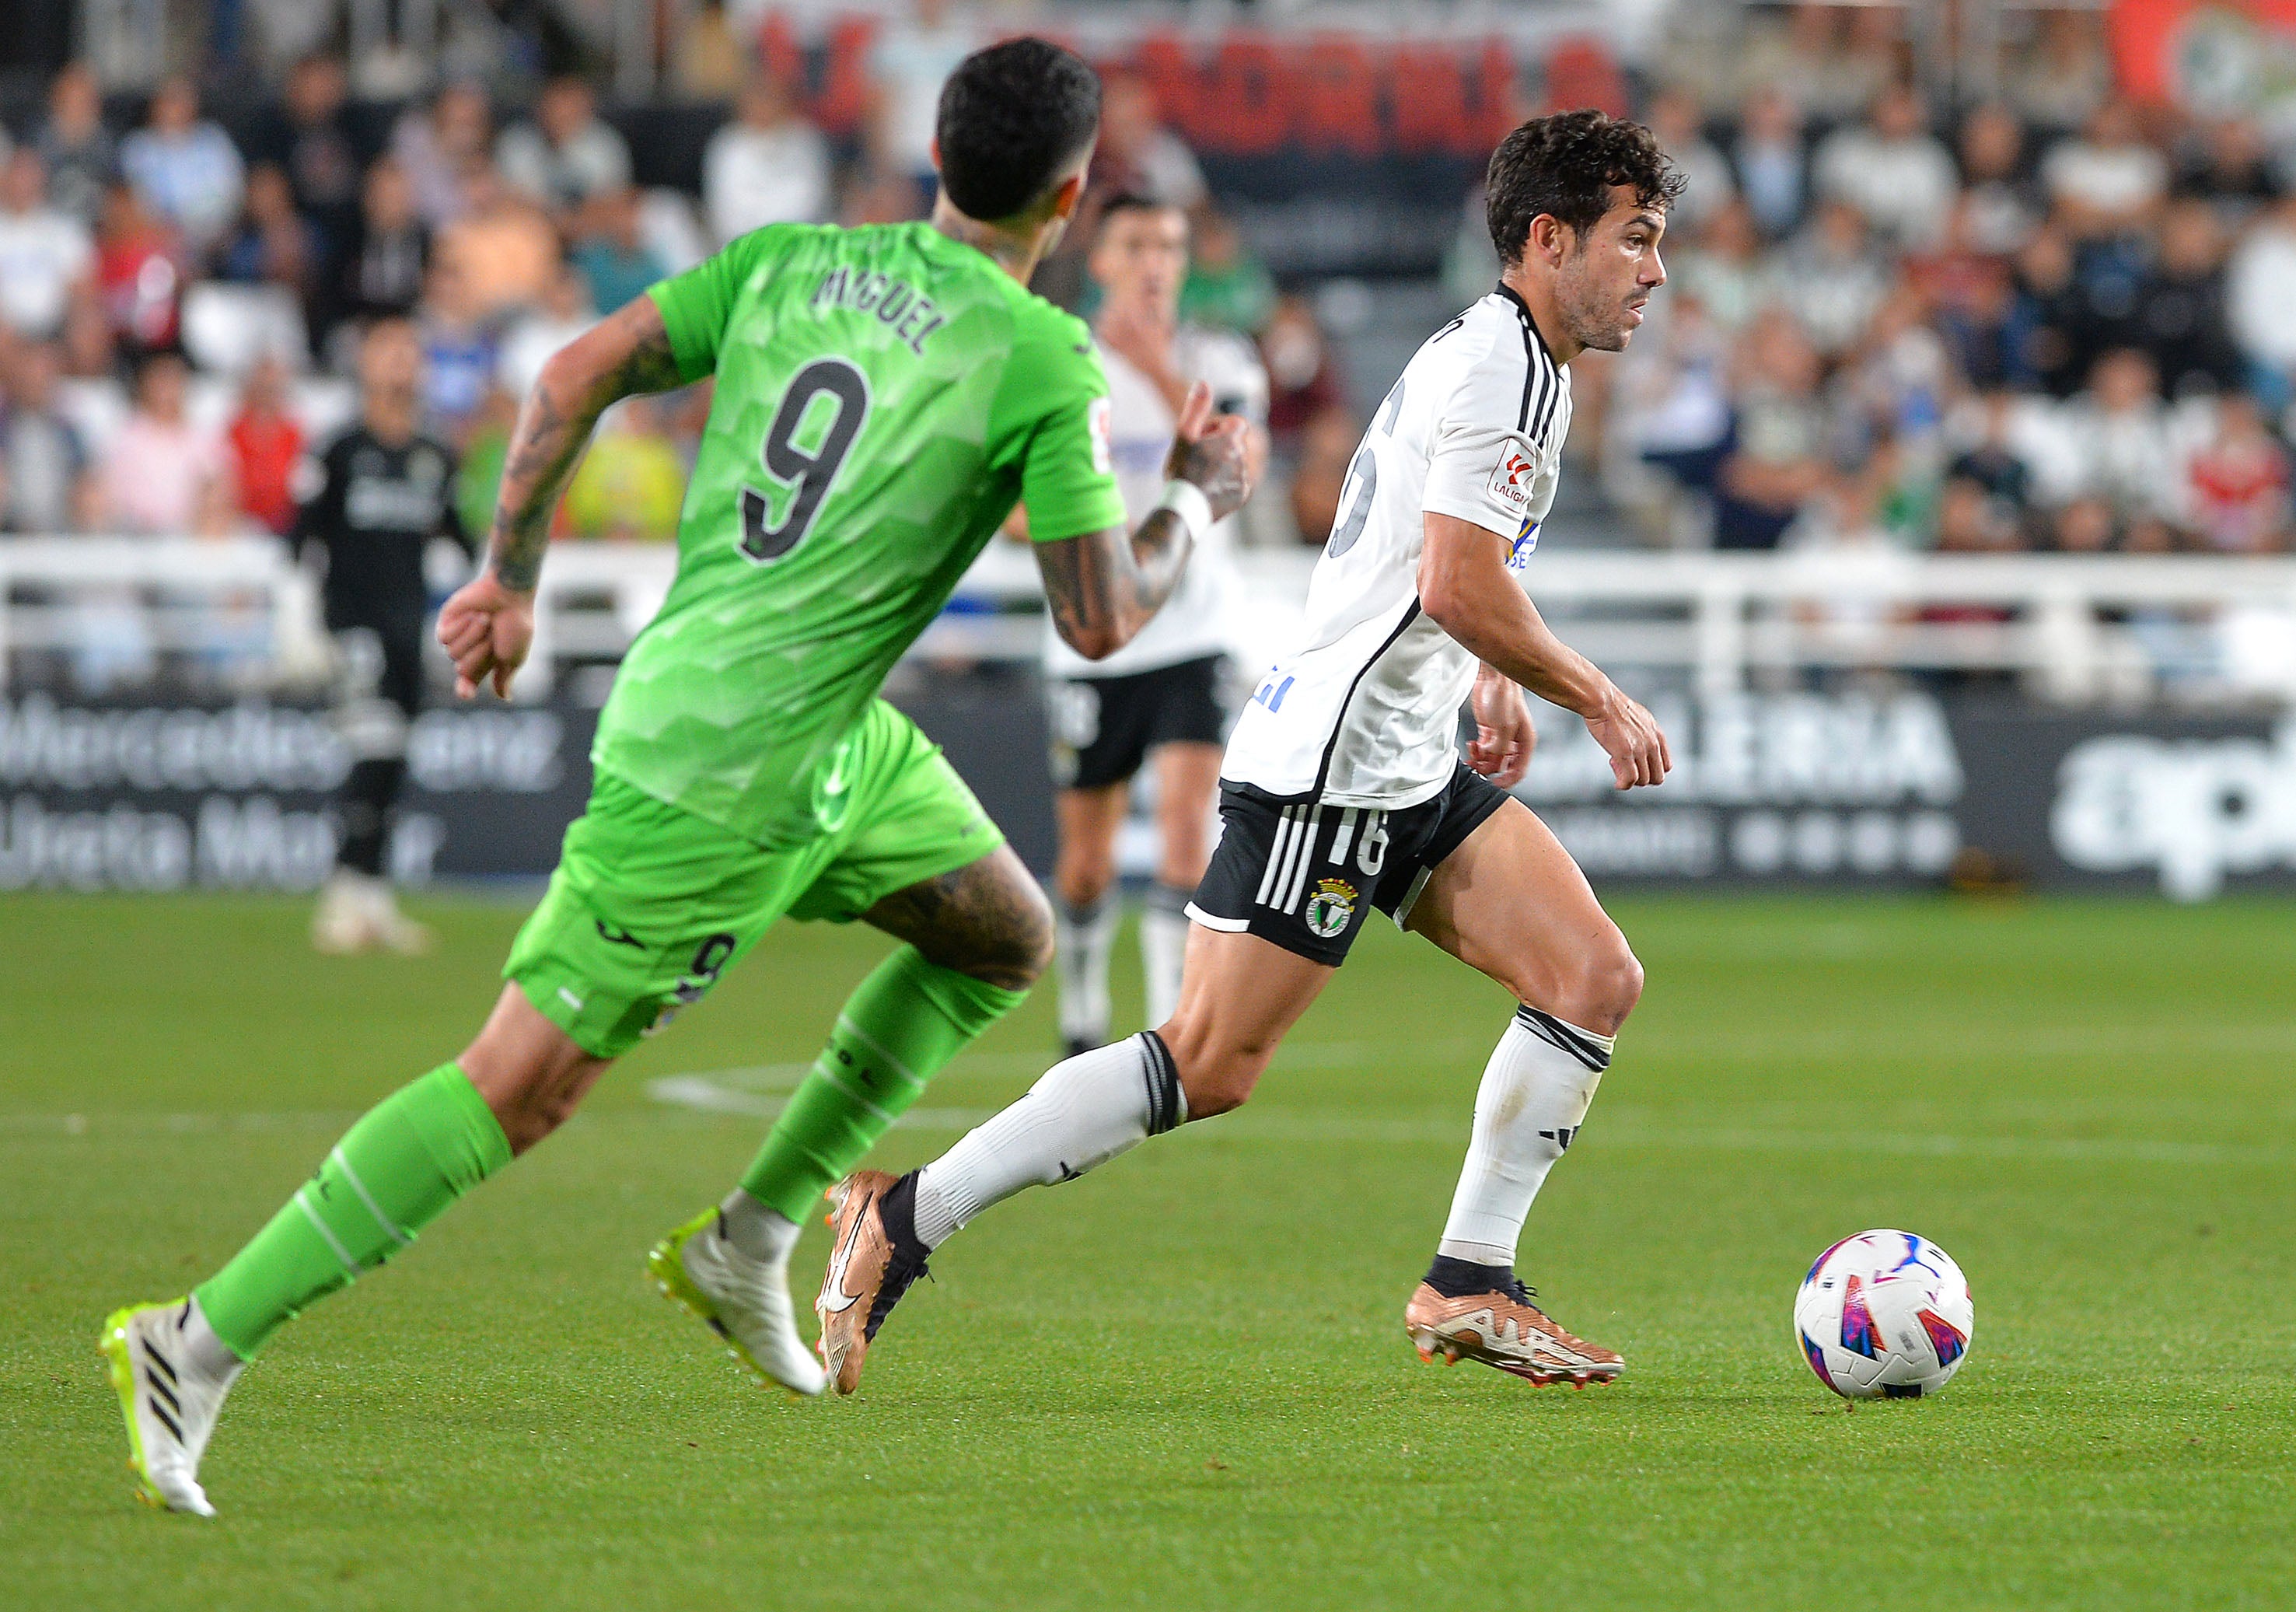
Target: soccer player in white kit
<point>1343,790</point>
<point>1156,702</point>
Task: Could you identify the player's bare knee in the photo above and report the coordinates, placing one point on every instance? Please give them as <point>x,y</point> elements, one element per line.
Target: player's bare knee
<point>1603,987</point>
<point>1082,877</point>
<point>1014,953</point>
<point>1215,1074</point>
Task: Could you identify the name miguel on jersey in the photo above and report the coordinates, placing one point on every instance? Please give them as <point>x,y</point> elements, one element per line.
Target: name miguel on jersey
<point>904,309</point>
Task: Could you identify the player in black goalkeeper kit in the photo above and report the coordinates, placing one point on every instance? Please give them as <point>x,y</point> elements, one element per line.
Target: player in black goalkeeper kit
<point>382,493</point>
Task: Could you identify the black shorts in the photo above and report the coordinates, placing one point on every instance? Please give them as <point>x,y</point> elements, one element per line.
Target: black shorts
<point>1102,728</point>
<point>1305,874</point>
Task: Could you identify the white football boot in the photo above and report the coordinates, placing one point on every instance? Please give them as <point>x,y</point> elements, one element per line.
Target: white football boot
<point>745,1301</point>
<point>340,925</point>
<point>163,1360</point>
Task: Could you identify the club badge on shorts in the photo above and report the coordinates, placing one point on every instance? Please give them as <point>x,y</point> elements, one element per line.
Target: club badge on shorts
<point>1330,907</point>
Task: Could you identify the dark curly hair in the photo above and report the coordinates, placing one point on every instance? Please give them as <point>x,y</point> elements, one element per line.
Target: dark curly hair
<point>1565,165</point>
<point>1011,118</point>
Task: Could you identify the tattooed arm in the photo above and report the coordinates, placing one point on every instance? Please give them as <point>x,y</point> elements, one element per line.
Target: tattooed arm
<point>1102,588</point>
<point>488,626</point>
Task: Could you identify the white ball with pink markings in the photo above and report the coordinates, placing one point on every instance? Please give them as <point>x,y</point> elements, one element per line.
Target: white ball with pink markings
<point>1885,1315</point>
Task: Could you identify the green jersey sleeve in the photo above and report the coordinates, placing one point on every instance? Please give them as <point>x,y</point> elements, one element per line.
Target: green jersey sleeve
<point>696,304</point>
<point>1067,480</point>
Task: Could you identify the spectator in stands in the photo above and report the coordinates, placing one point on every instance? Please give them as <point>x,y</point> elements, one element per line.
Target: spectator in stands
<point>1674,116</point>
<point>2108,181</point>
<point>1778,460</point>
<point>1138,154</point>
<point>708,58</point>
<point>77,149</point>
<point>1972,304</point>
<point>566,156</point>
<point>615,259</point>
<point>1808,58</point>
<point>1892,169</point>
<point>2228,162</point>
<point>1832,278</point>
<point>459,350</point>
<point>632,480</point>
<point>2236,483</point>
<point>1772,163</point>
<point>2062,333</point>
<point>1723,266</point>
<point>504,247</point>
<point>186,169</point>
<point>266,442</point>
<point>274,244</point>
<point>309,137</point>
<point>2261,291</point>
<point>2001,205</point>
<point>44,459</point>
<point>1674,416</point>
<point>565,312</point>
<point>768,166</point>
<point>390,250</point>
<point>139,271</point>
<point>2122,456</point>
<point>441,146</point>
<point>2181,318</point>
<point>162,475</point>
<point>1989,466</point>
<point>2059,84</point>
<point>44,252</point>
<point>911,60</point>
<point>1901,378</point>
<point>1226,286</point>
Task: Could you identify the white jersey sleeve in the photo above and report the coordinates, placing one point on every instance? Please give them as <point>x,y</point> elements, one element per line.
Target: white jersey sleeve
<point>1364,710</point>
<point>1197,619</point>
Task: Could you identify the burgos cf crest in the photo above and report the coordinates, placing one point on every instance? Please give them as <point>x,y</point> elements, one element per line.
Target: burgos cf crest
<point>1331,907</point>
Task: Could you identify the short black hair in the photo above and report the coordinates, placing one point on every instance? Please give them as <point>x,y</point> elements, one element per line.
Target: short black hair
<point>1133,201</point>
<point>1011,118</point>
<point>1565,165</point>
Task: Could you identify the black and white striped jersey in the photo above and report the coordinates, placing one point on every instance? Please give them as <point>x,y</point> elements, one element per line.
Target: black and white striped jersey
<point>1364,711</point>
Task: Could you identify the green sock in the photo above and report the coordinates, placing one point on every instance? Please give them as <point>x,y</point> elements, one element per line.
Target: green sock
<point>392,1174</point>
<point>906,1020</point>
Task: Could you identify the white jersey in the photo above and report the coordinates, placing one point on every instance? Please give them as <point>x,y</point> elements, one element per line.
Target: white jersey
<point>1195,621</point>
<point>1364,711</point>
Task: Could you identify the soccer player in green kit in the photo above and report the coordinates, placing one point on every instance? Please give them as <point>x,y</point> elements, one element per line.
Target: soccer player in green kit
<point>883,397</point>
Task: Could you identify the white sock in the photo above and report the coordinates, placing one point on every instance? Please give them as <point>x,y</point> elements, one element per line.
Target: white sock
<point>1082,939</point>
<point>1534,1096</point>
<point>763,1234</point>
<point>1083,1112</point>
<point>209,1352</point>
<point>1163,949</point>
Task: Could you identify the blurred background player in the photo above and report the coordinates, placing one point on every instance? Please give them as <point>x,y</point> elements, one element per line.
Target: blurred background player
<point>384,492</point>
<point>1159,699</point>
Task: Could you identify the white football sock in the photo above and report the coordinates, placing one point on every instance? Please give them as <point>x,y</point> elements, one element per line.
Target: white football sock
<point>208,1351</point>
<point>1083,937</point>
<point>1534,1096</point>
<point>1083,1112</point>
<point>1163,949</point>
<point>765,1235</point>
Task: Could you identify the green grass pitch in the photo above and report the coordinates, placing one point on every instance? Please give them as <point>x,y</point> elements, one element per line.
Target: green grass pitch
<point>1183,1382</point>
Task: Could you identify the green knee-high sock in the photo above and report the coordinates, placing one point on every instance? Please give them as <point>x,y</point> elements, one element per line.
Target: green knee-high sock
<point>392,1174</point>
<point>906,1020</point>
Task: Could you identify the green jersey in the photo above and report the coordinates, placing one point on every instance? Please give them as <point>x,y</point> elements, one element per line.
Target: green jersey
<point>883,398</point>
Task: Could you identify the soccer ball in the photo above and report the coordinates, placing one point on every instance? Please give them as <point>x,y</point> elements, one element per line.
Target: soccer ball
<point>1885,1315</point>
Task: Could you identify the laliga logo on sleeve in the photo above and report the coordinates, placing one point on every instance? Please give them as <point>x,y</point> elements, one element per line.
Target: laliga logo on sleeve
<point>1511,478</point>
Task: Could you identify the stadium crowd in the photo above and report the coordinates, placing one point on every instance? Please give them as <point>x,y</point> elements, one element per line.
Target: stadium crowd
<point>2052,320</point>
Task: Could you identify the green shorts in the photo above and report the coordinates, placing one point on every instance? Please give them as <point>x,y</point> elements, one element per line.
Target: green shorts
<point>650,904</point>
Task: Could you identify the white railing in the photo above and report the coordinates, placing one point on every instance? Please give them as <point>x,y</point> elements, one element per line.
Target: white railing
<point>2073,628</point>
